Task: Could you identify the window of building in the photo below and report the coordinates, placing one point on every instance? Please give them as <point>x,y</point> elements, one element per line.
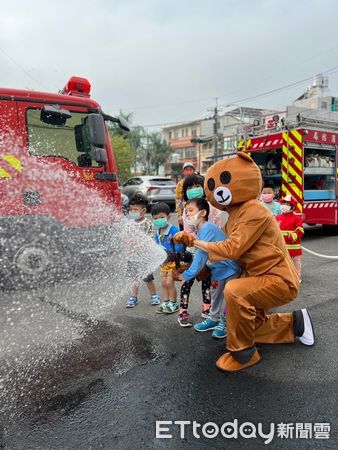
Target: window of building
<point>176,134</point>
<point>229,143</point>
<point>190,152</point>
<point>170,135</point>
<point>193,132</point>
<point>206,165</point>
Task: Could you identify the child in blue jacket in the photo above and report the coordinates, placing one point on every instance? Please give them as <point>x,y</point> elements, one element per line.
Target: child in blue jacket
<point>164,234</point>
<point>197,211</point>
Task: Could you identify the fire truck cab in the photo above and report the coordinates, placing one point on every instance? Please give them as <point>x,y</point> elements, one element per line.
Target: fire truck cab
<point>57,169</point>
<point>302,161</point>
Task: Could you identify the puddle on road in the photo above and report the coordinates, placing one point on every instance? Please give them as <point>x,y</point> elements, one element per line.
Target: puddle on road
<point>35,388</point>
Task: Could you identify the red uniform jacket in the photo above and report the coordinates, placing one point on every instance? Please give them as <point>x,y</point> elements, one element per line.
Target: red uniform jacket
<point>291,226</point>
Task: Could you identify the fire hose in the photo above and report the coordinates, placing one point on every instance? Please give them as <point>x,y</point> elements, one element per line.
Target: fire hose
<point>319,254</point>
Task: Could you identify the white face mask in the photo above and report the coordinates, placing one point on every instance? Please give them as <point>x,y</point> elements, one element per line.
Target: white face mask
<point>285,209</point>
<point>194,220</point>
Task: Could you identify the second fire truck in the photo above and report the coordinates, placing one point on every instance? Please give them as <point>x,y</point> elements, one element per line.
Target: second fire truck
<point>302,161</point>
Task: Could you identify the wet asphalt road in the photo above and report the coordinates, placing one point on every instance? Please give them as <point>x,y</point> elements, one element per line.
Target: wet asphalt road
<point>103,382</point>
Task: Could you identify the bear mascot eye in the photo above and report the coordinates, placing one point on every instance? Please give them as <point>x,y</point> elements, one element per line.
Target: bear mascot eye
<point>225,177</point>
<point>211,184</point>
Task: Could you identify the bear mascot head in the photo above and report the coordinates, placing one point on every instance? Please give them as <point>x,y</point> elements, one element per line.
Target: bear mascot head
<point>233,181</point>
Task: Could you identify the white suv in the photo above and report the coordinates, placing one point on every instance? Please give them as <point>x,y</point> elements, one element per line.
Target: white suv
<point>154,188</point>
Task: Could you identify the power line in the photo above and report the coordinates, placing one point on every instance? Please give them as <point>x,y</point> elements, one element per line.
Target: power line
<point>298,63</point>
<point>170,104</point>
<point>163,124</point>
<point>182,122</point>
<point>198,117</point>
<point>23,69</point>
<point>223,96</point>
<point>287,86</point>
<point>263,94</point>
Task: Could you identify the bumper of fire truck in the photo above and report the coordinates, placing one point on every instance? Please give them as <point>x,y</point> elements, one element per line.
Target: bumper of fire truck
<point>39,235</point>
<point>101,240</point>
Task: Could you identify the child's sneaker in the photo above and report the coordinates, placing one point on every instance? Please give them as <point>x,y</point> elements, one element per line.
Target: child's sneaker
<point>220,331</point>
<point>132,302</point>
<point>155,300</point>
<point>206,313</point>
<point>184,319</point>
<point>171,307</point>
<point>163,305</point>
<point>206,325</point>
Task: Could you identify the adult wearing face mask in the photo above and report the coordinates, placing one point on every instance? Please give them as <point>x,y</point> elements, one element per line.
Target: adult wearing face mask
<point>291,225</point>
<point>188,169</point>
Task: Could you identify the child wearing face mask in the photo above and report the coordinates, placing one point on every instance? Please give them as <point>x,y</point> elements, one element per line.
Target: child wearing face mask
<point>267,198</point>
<point>197,211</point>
<point>291,225</point>
<point>193,188</point>
<point>137,210</point>
<point>164,235</point>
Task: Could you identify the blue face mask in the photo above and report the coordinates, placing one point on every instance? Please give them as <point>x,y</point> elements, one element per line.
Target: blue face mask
<point>134,216</point>
<point>197,192</point>
<point>160,223</point>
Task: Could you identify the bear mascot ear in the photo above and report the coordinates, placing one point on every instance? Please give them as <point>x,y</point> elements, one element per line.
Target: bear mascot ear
<point>232,181</point>
<point>244,156</point>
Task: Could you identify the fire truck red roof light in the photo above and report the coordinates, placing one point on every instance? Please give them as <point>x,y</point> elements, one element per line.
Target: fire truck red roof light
<point>78,86</point>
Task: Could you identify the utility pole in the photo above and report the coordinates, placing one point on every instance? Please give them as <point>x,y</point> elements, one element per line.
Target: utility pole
<point>216,129</point>
<point>241,132</point>
<point>147,153</point>
<point>218,135</point>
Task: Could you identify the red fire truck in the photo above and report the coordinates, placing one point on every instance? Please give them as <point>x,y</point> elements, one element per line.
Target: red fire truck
<point>301,161</point>
<point>57,170</point>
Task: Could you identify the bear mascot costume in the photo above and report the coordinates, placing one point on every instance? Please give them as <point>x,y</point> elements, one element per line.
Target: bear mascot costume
<point>269,278</point>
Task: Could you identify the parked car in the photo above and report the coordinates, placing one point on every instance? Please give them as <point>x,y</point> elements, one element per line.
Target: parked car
<point>154,188</point>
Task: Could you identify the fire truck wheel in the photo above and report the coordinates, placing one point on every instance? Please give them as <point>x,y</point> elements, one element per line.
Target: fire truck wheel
<point>35,262</point>
<point>30,263</point>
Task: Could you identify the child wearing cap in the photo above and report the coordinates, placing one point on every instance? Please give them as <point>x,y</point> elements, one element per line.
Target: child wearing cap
<point>291,225</point>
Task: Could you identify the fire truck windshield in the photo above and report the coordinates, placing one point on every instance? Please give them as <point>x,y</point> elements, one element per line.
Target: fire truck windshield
<point>56,140</point>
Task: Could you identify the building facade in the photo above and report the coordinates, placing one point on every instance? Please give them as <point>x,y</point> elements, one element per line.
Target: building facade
<point>200,140</point>
<point>179,137</point>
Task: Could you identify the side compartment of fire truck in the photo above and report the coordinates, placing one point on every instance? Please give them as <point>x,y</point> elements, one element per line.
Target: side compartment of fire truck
<point>320,179</point>
<point>317,172</point>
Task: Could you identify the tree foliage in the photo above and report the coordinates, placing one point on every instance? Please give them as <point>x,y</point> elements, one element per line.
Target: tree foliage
<point>124,157</point>
<point>149,149</point>
<point>133,137</point>
<point>160,151</point>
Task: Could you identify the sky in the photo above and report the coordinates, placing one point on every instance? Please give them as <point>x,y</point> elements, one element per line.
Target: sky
<point>167,61</point>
